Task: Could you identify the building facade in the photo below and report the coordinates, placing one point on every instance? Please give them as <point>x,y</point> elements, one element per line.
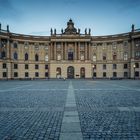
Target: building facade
<point>70,54</point>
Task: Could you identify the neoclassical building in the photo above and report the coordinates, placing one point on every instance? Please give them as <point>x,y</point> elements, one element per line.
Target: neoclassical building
<point>69,54</point>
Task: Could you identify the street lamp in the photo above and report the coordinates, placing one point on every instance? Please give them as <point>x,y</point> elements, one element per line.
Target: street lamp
<point>134,66</point>
<point>93,71</point>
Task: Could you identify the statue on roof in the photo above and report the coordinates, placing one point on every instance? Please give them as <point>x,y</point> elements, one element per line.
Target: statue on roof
<point>70,28</point>
<point>133,27</point>
<point>86,31</point>
<point>89,31</point>
<point>51,31</point>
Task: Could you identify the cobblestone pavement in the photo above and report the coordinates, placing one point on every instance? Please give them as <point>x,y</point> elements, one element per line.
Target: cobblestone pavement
<point>109,110</point>
<point>34,110</point>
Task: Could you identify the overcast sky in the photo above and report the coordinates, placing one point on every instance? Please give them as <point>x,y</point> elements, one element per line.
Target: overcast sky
<point>38,16</point>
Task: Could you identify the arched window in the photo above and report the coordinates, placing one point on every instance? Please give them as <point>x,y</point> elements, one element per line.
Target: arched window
<point>114,56</point>
<point>46,57</point>
<point>15,55</point>
<point>15,45</point>
<point>36,57</point>
<point>58,72</point>
<point>3,54</point>
<point>94,57</point>
<point>125,56</point>
<point>26,56</point>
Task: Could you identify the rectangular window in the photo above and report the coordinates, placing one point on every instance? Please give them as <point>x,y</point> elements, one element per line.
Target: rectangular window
<point>46,66</point>
<point>4,66</point>
<point>15,66</point>
<point>15,74</point>
<point>114,74</point>
<point>94,74</point>
<point>104,74</point>
<point>125,74</point>
<point>125,66</point>
<point>114,66</point>
<point>26,66</point>
<point>4,74</point>
<point>36,66</point>
<point>104,67</point>
<point>36,74</point>
<point>26,74</point>
<point>137,65</point>
<point>136,73</point>
<point>46,74</point>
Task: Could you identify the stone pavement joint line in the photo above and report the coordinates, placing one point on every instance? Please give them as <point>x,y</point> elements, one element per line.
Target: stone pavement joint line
<point>70,129</point>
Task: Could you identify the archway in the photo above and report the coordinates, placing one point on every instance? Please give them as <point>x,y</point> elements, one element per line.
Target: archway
<point>70,72</point>
<point>82,72</point>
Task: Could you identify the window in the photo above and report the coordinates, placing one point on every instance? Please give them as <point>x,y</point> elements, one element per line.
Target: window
<point>26,66</point>
<point>36,74</point>
<point>26,45</point>
<point>137,65</point>
<point>137,54</point>
<point>137,43</point>
<point>15,66</point>
<point>58,45</point>
<point>94,57</point>
<point>104,67</point>
<point>36,66</point>
<point>58,72</point>
<point>46,66</point>
<point>125,66</point>
<point>15,55</point>
<point>26,74</point>
<point>114,56</point>
<point>104,56</point>
<point>125,74</point>
<point>114,74</point>
<point>58,56</point>
<point>82,46</point>
<point>70,55</point>
<point>82,56</point>
<point>4,65</point>
<point>125,43</point>
<point>46,58</point>
<point>26,56</point>
<point>136,73</point>
<point>94,74</point>
<point>114,45</point>
<point>15,74</point>
<point>15,45</point>
<point>36,47</point>
<point>114,66</point>
<point>4,74</point>
<point>3,54</point>
<point>36,57</point>
<point>125,56</point>
<point>104,74</point>
<point>46,74</point>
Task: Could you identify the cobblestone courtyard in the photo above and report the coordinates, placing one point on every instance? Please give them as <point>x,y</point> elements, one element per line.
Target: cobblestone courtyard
<point>70,110</point>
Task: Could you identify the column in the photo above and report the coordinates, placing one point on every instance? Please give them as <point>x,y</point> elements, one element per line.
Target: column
<point>62,51</point>
<point>85,50</point>
<point>55,51</point>
<point>66,52</point>
<point>75,50</point>
<point>78,50</point>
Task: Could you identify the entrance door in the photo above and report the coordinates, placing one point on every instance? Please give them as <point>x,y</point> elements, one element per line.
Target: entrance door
<point>70,72</point>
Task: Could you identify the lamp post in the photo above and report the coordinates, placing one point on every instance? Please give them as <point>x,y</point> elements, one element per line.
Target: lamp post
<point>134,66</point>
<point>93,71</point>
